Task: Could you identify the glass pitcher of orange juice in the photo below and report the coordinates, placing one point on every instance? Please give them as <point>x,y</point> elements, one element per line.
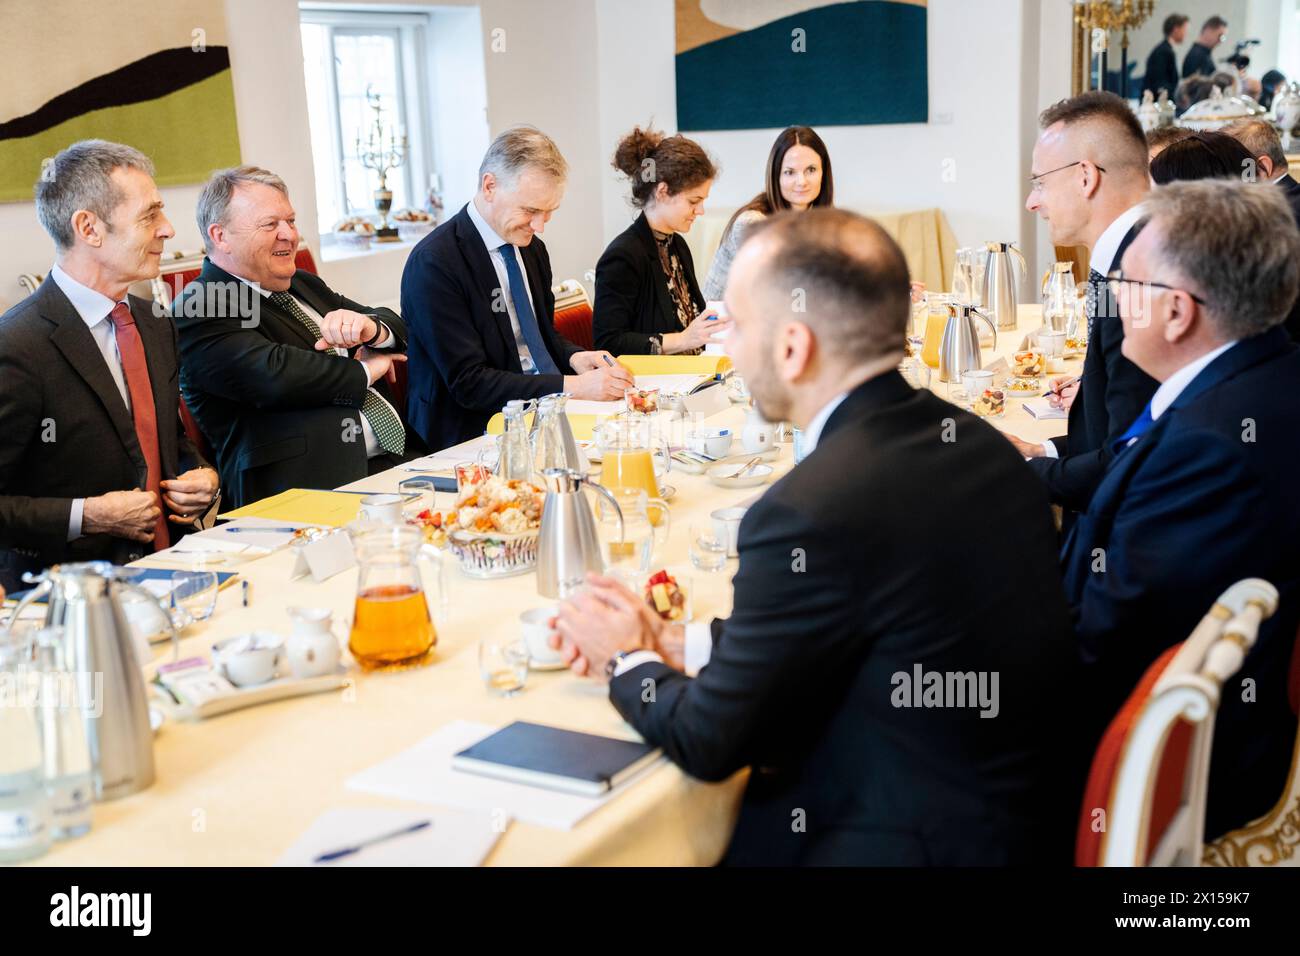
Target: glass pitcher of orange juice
<point>391,626</point>
<point>935,322</point>
<point>633,456</point>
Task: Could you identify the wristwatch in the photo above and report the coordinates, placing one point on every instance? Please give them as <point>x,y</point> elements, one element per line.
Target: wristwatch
<point>380,333</point>
<point>611,665</point>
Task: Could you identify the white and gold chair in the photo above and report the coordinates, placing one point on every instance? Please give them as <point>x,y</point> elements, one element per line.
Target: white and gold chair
<point>1145,800</point>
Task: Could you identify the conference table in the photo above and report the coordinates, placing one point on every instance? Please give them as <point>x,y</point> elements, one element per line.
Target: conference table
<point>240,788</point>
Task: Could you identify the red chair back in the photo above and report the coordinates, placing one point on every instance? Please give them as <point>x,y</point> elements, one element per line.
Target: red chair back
<point>574,323</point>
<point>1099,790</point>
<point>195,434</point>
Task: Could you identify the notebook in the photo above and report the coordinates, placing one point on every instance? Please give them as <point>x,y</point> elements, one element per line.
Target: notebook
<point>556,759</point>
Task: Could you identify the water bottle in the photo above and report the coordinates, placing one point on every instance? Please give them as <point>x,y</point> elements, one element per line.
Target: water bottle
<point>66,758</point>
<point>24,802</point>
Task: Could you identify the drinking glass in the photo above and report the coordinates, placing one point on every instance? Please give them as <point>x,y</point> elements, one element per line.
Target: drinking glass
<point>503,665</point>
<point>195,593</point>
<point>470,473</point>
<point>708,549</point>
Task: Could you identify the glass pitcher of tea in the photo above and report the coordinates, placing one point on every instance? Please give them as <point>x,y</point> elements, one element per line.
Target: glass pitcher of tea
<point>391,626</point>
<point>633,455</point>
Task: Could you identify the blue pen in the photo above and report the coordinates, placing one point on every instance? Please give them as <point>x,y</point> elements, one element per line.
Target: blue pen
<point>259,530</point>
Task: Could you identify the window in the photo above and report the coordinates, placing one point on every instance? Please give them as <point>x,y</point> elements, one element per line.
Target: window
<point>349,55</point>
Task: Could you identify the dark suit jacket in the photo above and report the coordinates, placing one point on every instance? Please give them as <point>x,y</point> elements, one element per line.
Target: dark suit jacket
<point>464,361</point>
<point>632,297</point>
<point>277,413</point>
<point>840,594</point>
<point>1162,70</point>
<point>1207,497</point>
<point>1291,189</point>
<point>66,433</point>
<point>1199,60</point>
<point>1112,393</point>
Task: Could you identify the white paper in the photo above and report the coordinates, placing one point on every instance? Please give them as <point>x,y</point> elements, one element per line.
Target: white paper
<point>423,773</point>
<point>448,458</point>
<point>324,557</point>
<point>456,838</point>
<point>1041,408</point>
<point>222,538</point>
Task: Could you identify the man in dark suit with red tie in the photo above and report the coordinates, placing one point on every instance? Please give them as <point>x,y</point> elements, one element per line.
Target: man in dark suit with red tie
<point>94,460</point>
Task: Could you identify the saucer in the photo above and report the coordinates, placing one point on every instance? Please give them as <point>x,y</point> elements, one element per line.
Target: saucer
<point>557,666</point>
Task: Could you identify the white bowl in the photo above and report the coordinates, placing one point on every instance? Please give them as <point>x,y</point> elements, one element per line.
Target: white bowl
<point>727,475</point>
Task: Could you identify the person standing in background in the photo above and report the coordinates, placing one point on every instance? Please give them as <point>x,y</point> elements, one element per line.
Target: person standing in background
<point>1162,64</point>
<point>647,299</point>
<point>798,178</point>
<point>1200,58</point>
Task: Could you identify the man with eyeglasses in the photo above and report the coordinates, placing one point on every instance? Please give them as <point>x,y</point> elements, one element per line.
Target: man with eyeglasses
<point>1202,489</point>
<point>1090,176</point>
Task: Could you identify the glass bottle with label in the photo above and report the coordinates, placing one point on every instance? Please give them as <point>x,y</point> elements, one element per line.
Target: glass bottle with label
<point>66,758</point>
<point>24,802</point>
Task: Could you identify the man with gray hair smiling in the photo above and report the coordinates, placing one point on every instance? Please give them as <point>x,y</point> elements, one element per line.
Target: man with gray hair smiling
<point>476,293</point>
<point>94,461</point>
<point>285,376</point>
<point>1202,491</point>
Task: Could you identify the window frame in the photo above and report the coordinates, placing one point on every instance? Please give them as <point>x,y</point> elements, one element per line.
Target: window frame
<point>411,109</point>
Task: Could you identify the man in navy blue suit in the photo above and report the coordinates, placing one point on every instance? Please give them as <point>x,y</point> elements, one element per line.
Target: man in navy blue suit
<point>1203,488</point>
<point>477,300</point>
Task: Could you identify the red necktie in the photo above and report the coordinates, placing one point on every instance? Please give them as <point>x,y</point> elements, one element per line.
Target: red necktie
<point>136,370</point>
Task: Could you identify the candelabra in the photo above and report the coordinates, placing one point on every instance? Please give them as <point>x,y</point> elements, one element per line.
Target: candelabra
<point>382,152</point>
<point>1107,16</point>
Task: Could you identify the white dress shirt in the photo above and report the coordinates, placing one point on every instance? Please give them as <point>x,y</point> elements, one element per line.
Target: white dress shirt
<point>494,243</point>
<point>699,634</point>
<point>1103,260</point>
<point>94,308</point>
<point>373,447</point>
<point>1174,385</point>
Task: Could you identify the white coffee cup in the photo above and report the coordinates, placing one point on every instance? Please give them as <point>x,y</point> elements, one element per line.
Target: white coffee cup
<point>975,381</point>
<point>248,659</point>
<point>726,525</point>
<point>387,508</point>
<point>536,627</point>
<point>1053,346</point>
<point>714,442</point>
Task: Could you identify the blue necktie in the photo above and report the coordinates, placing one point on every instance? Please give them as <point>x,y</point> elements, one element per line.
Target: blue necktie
<point>542,360</point>
<point>1140,427</point>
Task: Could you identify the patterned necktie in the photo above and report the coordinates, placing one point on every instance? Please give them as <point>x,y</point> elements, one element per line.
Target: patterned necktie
<point>542,360</point>
<point>1098,295</point>
<point>136,371</point>
<point>381,416</point>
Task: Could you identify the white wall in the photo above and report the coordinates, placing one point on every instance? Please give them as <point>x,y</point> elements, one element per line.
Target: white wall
<point>586,71</point>
<point>984,60</point>
<point>271,108</point>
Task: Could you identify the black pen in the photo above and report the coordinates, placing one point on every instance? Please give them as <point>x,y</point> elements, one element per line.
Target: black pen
<point>349,850</point>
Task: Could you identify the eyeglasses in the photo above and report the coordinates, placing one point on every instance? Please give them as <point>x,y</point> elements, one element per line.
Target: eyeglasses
<point>1117,279</point>
<point>1036,182</point>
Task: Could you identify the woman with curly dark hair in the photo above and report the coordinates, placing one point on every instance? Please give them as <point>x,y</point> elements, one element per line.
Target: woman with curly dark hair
<point>647,298</point>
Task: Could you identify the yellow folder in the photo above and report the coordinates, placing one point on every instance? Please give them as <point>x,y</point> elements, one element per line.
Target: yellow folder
<point>304,506</point>
<point>581,425</point>
<point>675,364</point>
